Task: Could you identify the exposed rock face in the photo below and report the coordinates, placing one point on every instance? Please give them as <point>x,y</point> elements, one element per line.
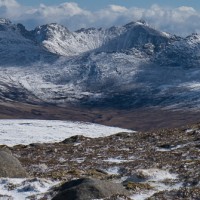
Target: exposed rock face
<point>10,166</point>
<point>85,189</point>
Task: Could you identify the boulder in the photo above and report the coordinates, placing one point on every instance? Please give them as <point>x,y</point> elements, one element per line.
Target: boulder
<point>87,189</point>
<point>10,166</point>
<point>75,139</point>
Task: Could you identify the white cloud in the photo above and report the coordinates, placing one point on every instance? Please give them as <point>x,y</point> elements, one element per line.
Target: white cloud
<point>116,8</point>
<point>62,10</point>
<point>8,3</point>
<point>9,8</point>
<point>182,20</point>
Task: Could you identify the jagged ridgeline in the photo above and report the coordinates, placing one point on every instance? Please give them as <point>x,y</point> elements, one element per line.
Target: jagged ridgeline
<point>126,66</point>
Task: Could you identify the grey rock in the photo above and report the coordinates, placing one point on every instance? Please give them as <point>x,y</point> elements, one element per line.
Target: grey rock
<point>75,139</point>
<point>87,189</point>
<point>6,149</point>
<point>10,166</point>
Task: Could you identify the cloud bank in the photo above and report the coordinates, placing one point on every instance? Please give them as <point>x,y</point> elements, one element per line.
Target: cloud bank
<point>182,20</point>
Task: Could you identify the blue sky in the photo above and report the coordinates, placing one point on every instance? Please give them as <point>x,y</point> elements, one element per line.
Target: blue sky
<point>96,4</point>
<point>180,17</point>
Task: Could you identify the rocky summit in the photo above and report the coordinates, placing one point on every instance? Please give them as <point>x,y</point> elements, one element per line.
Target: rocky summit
<point>160,164</point>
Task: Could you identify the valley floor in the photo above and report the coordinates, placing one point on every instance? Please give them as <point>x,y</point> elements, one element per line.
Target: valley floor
<point>141,119</point>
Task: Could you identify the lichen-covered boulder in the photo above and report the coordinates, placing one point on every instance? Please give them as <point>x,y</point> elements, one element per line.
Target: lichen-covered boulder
<point>10,166</point>
<point>86,188</point>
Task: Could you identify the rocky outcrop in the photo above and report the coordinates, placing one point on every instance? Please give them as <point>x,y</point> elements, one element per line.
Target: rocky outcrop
<point>85,189</point>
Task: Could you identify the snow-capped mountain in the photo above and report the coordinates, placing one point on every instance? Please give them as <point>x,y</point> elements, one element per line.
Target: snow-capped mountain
<point>16,49</point>
<point>133,65</point>
<point>59,40</point>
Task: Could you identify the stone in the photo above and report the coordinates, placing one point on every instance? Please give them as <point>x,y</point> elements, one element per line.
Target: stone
<point>10,167</point>
<point>87,189</point>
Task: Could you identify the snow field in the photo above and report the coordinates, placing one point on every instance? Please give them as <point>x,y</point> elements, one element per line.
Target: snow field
<point>14,132</point>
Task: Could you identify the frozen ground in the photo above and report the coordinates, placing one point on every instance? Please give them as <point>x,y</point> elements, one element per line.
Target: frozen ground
<point>135,159</point>
<point>20,189</point>
<point>14,132</point>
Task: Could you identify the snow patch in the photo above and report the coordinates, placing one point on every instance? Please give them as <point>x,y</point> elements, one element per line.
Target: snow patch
<point>22,188</point>
<point>156,174</point>
<point>189,130</point>
<point>116,160</point>
<point>113,170</point>
<point>155,178</point>
<point>14,132</point>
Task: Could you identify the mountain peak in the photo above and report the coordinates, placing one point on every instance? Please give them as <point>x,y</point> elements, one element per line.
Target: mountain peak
<point>194,38</point>
<point>133,23</point>
<point>48,30</point>
<point>141,21</point>
<point>45,32</point>
<point>51,26</point>
<point>5,21</point>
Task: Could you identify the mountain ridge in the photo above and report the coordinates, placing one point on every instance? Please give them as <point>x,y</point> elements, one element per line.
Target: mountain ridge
<point>54,36</point>
<point>132,66</point>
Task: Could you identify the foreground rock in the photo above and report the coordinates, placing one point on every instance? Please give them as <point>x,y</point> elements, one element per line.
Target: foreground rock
<point>10,166</point>
<point>85,189</point>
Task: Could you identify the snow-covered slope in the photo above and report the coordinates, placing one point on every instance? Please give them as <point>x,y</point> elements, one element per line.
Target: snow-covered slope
<point>141,36</point>
<point>129,66</point>
<point>58,39</point>
<point>16,49</point>
<point>183,52</point>
<point>15,132</point>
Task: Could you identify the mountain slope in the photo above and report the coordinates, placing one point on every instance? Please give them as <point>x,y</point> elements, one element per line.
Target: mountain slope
<point>15,49</point>
<point>183,52</point>
<point>58,39</point>
<point>131,66</point>
<point>141,36</point>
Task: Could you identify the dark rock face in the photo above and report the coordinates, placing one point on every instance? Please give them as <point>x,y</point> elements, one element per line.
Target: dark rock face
<point>86,189</point>
<point>10,166</point>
